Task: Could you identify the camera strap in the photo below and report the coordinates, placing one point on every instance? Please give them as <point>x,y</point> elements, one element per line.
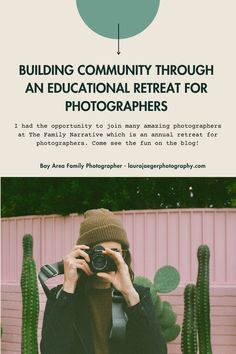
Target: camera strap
<point>49,271</point>
<point>119,317</point>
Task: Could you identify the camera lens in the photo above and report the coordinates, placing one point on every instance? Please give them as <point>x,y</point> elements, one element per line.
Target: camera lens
<point>99,262</point>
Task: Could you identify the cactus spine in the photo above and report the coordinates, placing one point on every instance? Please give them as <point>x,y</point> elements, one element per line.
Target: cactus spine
<point>30,298</point>
<point>203,302</point>
<point>189,328</point>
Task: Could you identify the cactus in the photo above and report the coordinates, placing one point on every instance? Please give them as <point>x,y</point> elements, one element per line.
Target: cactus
<point>203,302</point>
<point>158,306</point>
<point>171,333</point>
<point>143,281</point>
<point>168,316</point>
<point>166,280</point>
<point>189,328</point>
<point>197,305</point>
<point>30,297</point>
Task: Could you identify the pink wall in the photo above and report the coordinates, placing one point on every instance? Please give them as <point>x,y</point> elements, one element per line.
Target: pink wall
<point>157,237</point>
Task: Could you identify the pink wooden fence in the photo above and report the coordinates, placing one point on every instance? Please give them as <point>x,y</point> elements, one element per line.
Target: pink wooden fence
<point>157,237</point>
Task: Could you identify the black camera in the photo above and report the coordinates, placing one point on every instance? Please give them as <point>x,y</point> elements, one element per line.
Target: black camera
<point>100,262</point>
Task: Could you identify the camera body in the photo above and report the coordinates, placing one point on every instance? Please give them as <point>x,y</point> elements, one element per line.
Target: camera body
<point>100,262</point>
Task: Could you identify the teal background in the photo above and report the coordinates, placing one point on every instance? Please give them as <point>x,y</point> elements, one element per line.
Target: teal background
<point>103,16</point>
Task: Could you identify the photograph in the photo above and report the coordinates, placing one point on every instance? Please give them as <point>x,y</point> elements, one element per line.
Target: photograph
<point>118,265</point>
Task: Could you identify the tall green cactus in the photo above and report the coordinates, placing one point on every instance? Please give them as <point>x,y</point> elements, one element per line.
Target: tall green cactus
<point>189,328</point>
<point>203,302</point>
<point>197,301</point>
<point>30,298</point>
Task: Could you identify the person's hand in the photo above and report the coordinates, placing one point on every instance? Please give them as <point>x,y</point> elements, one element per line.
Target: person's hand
<point>72,263</point>
<point>121,278</point>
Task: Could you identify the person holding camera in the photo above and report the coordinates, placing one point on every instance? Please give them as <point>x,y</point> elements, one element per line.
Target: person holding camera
<point>98,309</point>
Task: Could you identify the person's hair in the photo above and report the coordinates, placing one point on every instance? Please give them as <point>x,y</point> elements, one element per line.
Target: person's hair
<point>127,259</point>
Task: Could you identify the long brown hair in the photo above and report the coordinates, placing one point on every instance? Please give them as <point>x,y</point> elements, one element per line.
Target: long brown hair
<point>127,258</point>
